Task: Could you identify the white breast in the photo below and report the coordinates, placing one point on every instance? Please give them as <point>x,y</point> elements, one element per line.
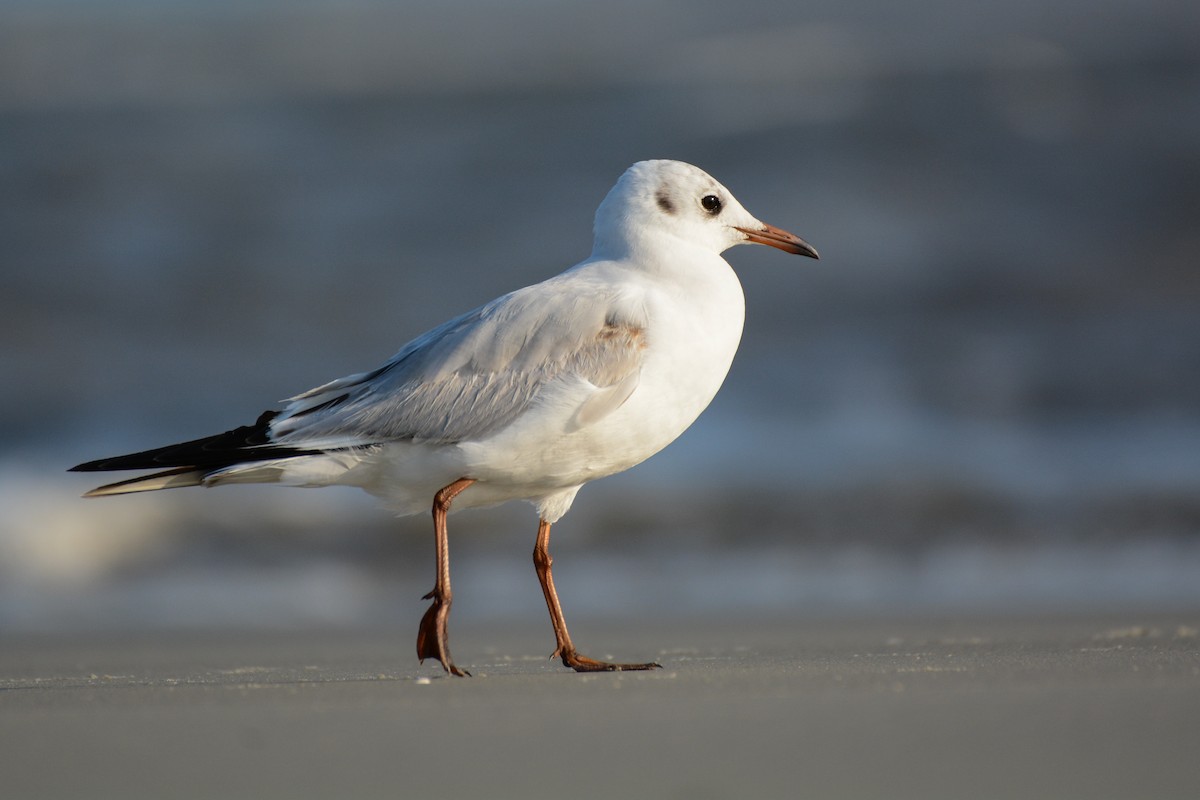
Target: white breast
<point>693,327</point>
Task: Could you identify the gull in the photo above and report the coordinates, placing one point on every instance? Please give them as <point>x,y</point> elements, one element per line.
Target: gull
<point>528,397</point>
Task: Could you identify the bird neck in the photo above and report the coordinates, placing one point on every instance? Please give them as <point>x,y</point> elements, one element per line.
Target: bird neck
<point>657,249</point>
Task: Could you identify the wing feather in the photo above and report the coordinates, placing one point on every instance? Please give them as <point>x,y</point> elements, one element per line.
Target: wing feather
<point>477,373</point>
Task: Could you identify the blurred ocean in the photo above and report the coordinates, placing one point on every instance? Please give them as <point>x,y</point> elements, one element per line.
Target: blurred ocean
<point>985,395</point>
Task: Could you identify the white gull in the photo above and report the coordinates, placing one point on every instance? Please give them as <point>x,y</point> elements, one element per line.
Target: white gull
<point>525,398</point>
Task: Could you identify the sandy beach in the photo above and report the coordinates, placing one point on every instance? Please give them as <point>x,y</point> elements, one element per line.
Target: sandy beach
<point>1090,707</point>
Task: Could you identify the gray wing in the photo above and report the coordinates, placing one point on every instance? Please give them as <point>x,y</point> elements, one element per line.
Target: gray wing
<point>477,373</point>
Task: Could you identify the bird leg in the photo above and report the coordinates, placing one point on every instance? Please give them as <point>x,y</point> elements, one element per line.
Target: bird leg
<point>565,649</point>
<point>433,640</point>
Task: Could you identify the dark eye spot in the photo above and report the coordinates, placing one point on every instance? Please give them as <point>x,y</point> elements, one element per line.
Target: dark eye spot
<point>664,202</point>
<point>711,203</point>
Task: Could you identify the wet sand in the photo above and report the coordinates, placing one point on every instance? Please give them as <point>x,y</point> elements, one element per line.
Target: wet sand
<point>1097,707</point>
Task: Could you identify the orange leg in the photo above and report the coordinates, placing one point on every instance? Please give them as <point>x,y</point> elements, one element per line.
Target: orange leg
<point>433,640</point>
<point>565,649</point>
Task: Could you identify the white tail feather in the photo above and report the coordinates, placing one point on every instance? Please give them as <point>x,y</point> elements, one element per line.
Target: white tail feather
<point>171,479</point>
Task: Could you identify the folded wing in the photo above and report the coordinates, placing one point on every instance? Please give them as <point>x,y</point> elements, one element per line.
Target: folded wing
<point>476,374</point>
<point>463,380</point>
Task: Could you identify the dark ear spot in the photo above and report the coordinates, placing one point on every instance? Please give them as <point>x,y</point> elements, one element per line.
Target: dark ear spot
<point>664,202</point>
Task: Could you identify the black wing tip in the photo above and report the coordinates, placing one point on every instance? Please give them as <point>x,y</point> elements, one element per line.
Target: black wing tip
<point>247,443</point>
<point>90,466</point>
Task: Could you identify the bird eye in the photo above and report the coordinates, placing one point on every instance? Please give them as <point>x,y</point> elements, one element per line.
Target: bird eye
<point>711,203</point>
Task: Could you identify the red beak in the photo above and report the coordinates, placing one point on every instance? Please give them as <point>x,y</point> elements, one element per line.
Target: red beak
<point>779,238</point>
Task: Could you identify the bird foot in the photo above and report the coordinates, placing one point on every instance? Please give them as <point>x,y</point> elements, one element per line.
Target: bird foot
<point>433,639</point>
<point>581,663</point>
